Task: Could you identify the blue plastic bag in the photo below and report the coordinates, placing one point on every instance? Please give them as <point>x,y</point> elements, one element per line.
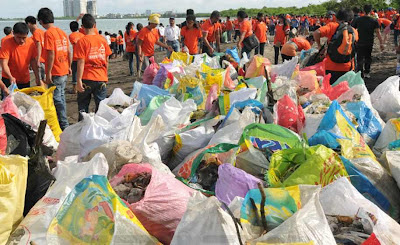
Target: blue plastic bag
<point>325,138</point>
<point>368,125</point>
<point>365,187</point>
<point>234,53</point>
<point>145,93</point>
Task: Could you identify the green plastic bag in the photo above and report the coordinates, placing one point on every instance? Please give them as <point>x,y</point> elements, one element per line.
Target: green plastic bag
<point>351,77</point>
<point>257,144</point>
<point>155,102</point>
<point>317,165</point>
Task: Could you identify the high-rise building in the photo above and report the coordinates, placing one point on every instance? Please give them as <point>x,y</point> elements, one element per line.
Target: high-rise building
<point>148,12</point>
<point>68,7</point>
<point>92,8</point>
<point>79,7</point>
<point>73,8</point>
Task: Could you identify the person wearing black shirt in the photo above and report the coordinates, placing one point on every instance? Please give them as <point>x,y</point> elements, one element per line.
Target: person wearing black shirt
<point>188,12</point>
<point>366,26</point>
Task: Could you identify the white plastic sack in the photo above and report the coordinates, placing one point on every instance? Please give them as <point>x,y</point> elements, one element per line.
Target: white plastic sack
<point>191,140</point>
<point>117,153</point>
<point>306,225</point>
<point>144,138</point>
<point>70,141</point>
<point>393,159</point>
<point>32,113</point>
<point>389,134</point>
<point>312,124</point>
<point>283,86</point>
<point>342,198</point>
<point>231,132</point>
<point>97,131</point>
<point>68,173</point>
<point>242,95</point>
<point>118,97</point>
<point>386,98</point>
<point>205,222</point>
<point>286,68</point>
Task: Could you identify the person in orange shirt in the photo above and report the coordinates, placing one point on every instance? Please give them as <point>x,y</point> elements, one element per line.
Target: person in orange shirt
<point>130,35</point>
<point>91,52</point>
<point>237,29</point>
<point>120,43</point>
<point>73,39</point>
<point>246,32</point>
<point>282,30</point>
<point>260,30</point>
<point>114,46</point>
<point>38,38</point>
<point>8,32</point>
<point>16,55</point>
<point>146,39</point>
<point>58,61</point>
<point>344,16</point>
<point>386,24</point>
<point>191,34</point>
<point>294,45</point>
<point>210,32</point>
<point>229,28</point>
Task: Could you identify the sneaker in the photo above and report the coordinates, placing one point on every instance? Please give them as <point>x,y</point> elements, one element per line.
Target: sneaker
<point>366,75</point>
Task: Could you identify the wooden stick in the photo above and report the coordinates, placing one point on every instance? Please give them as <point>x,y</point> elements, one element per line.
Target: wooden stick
<point>235,222</point>
<point>262,210</point>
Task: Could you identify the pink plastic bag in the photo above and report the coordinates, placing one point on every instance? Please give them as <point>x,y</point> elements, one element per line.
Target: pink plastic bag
<point>233,182</point>
<point>307,80</point>
<point>6,106</point>
<point>257,67</point>
<point>228,82</point>
<point>289,115</point>
<point>212,96</point>
<point>333,92</point>
<point>150,72</point>
<point>319,68</point>
<point>163,204</point>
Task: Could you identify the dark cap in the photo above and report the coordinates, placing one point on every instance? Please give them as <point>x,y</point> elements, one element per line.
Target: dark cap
<point>171,18</point>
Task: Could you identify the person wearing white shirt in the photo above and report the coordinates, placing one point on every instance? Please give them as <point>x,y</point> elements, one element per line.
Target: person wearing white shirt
<point>172,36</point>
<point>161,30</point>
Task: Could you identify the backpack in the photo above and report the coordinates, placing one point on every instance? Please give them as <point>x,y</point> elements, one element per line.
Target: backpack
<point>341,48</point>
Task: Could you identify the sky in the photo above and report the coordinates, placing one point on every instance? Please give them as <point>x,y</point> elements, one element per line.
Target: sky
<point>23,8</point>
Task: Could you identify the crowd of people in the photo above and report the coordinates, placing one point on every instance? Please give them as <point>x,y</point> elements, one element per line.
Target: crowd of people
<point>350,37</point>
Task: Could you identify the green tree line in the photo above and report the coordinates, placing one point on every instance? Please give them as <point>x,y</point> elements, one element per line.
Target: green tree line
<point>314,9</point>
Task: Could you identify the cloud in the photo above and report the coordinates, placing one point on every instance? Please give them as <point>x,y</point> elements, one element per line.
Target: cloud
<point>19,8</point>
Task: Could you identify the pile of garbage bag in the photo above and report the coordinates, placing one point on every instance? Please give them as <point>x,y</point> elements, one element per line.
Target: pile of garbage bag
<point>205,150</point>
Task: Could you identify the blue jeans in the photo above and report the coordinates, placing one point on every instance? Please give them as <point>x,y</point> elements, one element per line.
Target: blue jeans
<point>59,100</point>
<point>174,45</point>
<point>130,62</point>
<point>97,89</point>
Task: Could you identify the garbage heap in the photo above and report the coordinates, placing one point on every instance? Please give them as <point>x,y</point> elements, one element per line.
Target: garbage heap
<point>215,150</point>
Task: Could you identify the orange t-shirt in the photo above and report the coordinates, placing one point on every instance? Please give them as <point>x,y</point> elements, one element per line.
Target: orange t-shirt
<point>38,36</point>
<point>328,31</point>
<point>149,38</point>
<point>384,21</point>
<point>56,40</point>
<point>261,31</point>
<point>74,38</point>
<point>229,25</point>
<point>130,46</point>
<point>120,40</point>
<point>280,35</point>
<point>290,49</point>
<point>191,38</point>
<point>19,58</point>
<point>113,39</point>
<point>208,28</point>
<point>245,27</point>
<point>82,30</point>
<point>94,50</point>
<point>5,38</point>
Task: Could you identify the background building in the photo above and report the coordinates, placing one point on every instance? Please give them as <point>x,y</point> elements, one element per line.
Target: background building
<point>73,8</point>
<point>148,12</point>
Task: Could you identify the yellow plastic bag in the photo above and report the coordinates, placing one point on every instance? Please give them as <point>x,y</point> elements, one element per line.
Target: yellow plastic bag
<point>13,178</point>
<point>186,58</point>
<point>46,102</point>
<point>93,214</point>
<point>192,88</point>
